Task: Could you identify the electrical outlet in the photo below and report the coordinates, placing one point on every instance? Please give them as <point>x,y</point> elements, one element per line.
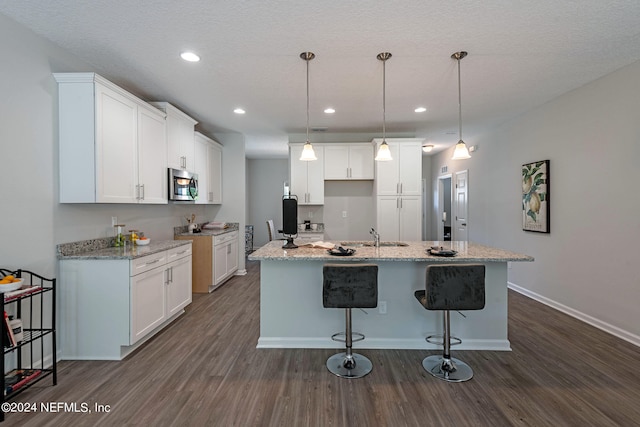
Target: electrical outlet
<point>344,214</point>
<point>114,221</point>
<point>382,307</point>
<point>310,214</point>
<point>508,264</point>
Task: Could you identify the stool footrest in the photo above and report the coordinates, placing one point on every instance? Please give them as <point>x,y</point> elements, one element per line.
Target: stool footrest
<point>342,337</point>
<point>439,340</point>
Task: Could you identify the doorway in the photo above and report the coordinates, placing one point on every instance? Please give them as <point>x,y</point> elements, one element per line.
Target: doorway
<point>443,219</point>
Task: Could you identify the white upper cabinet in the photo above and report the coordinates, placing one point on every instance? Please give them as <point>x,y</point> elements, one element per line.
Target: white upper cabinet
<point>208,166</point>
<point>307,177</point>
<point>180,137</point>
<point>152,156</point>
<point>112,145</point>
<point>403,174</point>
<point>348,161</point>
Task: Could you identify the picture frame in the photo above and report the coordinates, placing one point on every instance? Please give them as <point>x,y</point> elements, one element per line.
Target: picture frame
<point>535,197</point>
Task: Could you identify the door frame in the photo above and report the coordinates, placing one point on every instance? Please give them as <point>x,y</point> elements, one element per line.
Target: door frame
<point>440,204</point>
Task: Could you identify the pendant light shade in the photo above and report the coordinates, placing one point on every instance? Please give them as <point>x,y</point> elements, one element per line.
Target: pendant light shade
<point>461,152</point>
<point>384,154</point>
<point>307,152</point>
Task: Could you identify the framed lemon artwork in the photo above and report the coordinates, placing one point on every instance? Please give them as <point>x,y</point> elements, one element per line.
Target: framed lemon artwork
<point>535,196</point>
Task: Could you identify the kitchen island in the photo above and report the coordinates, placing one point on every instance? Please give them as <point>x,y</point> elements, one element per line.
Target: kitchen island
<point>292,315</point>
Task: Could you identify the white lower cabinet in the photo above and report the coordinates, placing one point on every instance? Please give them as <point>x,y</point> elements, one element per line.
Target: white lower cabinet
<point>111,306</point>
<point>225,257</point>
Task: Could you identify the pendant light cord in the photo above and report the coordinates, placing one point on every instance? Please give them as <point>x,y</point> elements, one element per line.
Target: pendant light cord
<point>459,102</point>
<point>384,98</point>
<point>307,98</point>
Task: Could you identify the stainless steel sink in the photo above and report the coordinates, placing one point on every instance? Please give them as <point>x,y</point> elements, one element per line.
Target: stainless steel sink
<point>358,244</point>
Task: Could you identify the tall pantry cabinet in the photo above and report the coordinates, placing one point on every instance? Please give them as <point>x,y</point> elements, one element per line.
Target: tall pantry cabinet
<point>398,188</point>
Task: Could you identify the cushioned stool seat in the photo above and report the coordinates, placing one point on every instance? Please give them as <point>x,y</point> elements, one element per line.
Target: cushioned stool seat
<point>451,287</point>
<point>349,286</point>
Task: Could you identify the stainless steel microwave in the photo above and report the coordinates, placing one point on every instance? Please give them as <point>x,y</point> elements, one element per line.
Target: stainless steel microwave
<point>183,185</point>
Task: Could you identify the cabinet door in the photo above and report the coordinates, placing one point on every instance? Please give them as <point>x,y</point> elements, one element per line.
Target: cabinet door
<point>410,171</point>
<point>219,263</point>
<point>298,174</point>
<point>336,162</point>
<point>315,178</point>
<point>178,285</point>
<point>388,217</point>
<point>116,147</point>
<point>148,302</point>
<point>152,157</point>
<point>214,156</point>
<point>232,257</point>
<point>387,173</point>
<point>360,161</point>
<point>180,140</point>
<point>202,169</point>
<point>410,218</point>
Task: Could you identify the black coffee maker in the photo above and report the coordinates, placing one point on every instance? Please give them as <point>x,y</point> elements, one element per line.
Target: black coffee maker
<point>307,224</point>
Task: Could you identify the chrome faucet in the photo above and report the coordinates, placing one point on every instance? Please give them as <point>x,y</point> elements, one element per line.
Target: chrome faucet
<point>376,238</point>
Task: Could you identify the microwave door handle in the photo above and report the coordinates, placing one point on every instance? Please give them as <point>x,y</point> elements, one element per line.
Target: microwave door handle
<point>193,189</point>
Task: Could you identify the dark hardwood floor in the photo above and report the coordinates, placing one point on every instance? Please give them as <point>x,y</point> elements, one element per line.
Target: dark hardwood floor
<point>204,370</point>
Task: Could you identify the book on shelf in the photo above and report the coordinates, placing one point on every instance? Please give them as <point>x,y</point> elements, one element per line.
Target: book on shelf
<point>18,378</point>
<point>9,337</point>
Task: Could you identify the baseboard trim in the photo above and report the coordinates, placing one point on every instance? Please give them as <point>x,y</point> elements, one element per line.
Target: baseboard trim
<point>597,323</point>
<point>380,344</point>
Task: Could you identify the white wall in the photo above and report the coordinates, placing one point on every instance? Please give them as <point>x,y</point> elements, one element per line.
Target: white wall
<point>265,188</point>
<point>586,265</point>
<point>34,222</point>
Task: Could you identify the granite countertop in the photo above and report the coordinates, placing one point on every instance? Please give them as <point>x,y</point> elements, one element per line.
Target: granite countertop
<point>96,249</point>
<point>414,251</point>
<point>182,231</point>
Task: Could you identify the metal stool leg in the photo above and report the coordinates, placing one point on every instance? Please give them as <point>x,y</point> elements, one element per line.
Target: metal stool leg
<point>445,367</point>
<point>349,364</point>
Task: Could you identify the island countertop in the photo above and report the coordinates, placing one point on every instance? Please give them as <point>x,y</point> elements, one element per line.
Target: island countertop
<point>414,251</point>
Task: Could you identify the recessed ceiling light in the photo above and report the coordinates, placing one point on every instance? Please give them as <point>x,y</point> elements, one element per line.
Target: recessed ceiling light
<point>190,56</point>
<point>239,111</point>
<point>420,110</point>
<point>329,110</point>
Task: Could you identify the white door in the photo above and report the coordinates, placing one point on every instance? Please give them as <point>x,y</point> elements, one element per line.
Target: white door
<point>315,178</point>
<point>388,173</point>
<point>148,302</point>
<point>201,167</point>
<point>178,285</point>
<point>116,147</point>
<point>410,171</point>
<point>152,153</point>
<point>388,217</point>
<point>444,214</point>
<point>360,161</point>
<point>219,263</point>
<point>461,232</point>
<point>410,218</point>
<point>336,162</point>
<point>214,156</point>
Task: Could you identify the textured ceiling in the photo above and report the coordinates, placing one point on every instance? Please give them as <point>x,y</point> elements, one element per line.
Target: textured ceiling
<point>521,55</point>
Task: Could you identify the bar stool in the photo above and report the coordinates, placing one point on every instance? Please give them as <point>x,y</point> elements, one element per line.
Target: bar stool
<point>349,286</point>
<point>451,287</point>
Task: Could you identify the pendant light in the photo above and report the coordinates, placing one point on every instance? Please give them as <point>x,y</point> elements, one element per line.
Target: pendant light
<point>461,152</point>
<point>307,152</point>
<point>384,154</point>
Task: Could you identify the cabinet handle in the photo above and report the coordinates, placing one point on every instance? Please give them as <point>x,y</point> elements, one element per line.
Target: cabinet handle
<point>211,196</point>
<point>153,262</point>
<point>400,188</point>
<point>171,273</point>
<point>142,191</point>
<point>400,202</point>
